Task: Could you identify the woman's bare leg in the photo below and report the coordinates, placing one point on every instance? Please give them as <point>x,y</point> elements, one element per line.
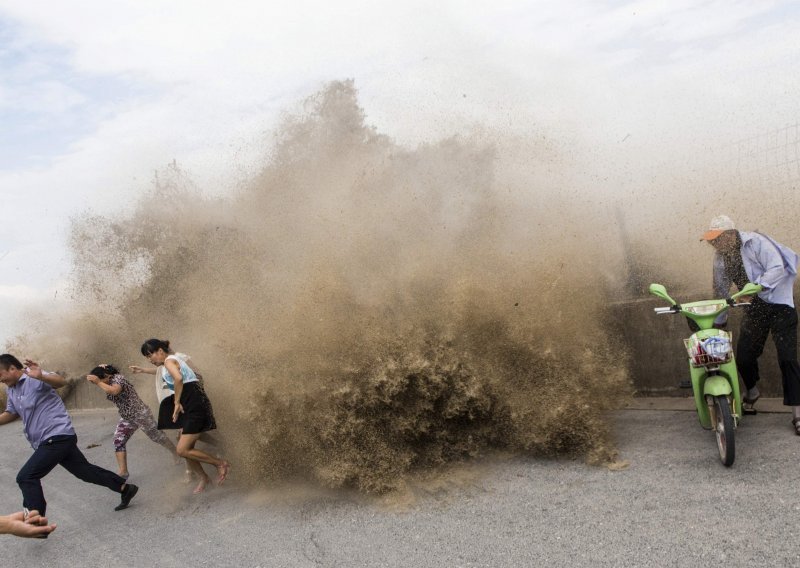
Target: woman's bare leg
<point>197,469</point>
<point>189,472</point>
<point>122,463</point>
<point>187,450</point>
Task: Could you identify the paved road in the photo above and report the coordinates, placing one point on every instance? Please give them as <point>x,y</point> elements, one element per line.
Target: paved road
<point>676,505</point>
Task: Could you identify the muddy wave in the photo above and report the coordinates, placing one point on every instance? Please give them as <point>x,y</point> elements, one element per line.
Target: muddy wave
<point>364,311</point>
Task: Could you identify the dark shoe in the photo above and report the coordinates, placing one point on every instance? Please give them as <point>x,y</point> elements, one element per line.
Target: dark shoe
<point>128,493</point>
<point>750,401</point>
<point>796,424</point>
<point>747,405</point>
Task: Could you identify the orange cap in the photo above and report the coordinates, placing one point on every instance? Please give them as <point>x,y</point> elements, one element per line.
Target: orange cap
<point>719,225</point>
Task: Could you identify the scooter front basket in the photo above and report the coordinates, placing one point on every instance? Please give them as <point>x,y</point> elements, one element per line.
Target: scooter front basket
<point>709,351</point>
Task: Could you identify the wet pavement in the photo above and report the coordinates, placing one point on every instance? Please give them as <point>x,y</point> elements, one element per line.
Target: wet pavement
<point>674,505</point>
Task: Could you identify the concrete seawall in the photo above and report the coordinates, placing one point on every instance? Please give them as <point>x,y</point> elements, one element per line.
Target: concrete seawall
<point>658,360</point>
<point>84,395</point>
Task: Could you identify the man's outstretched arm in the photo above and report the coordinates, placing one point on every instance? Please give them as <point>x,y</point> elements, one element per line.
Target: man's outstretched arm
<point>53,379</point>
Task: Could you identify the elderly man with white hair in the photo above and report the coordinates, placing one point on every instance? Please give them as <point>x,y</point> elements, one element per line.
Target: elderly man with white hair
<point>742,257</point>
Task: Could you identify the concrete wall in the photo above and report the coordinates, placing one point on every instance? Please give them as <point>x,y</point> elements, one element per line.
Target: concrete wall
<point>655,342</point>
<point>83,394</point>
<point>658,357</point>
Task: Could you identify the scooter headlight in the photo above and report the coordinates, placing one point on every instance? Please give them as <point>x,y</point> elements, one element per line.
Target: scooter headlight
<point>705,310</point>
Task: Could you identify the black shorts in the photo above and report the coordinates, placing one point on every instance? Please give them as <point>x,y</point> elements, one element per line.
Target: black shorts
<point>198,416</point>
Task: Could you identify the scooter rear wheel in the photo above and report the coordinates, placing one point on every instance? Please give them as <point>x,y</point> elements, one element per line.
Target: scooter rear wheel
<point>724,430</point>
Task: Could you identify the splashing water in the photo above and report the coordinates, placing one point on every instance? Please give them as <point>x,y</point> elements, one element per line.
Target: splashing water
<point>363,311</point>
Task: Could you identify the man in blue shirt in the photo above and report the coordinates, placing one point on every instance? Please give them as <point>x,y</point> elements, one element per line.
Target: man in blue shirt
<point>743,257</point>
<point>48,428</point>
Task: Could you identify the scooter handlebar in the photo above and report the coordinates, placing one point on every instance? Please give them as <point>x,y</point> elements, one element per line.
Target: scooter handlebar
<point>661,311</point>
<point>677,309</point>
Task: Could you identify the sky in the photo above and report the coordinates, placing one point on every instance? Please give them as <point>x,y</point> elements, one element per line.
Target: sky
<point>96,96</point>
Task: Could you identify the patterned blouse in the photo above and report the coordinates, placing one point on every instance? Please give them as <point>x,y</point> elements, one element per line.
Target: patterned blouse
<point>127,401</point>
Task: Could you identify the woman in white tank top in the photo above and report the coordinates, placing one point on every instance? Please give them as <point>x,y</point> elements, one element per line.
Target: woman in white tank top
<point>185,407</point>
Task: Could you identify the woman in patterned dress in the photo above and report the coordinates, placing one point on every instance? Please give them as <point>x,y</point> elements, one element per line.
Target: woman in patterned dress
<point>134,413</point>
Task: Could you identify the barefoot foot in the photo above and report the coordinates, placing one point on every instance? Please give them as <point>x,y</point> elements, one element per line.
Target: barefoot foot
<point>222,471</point>
<point>201,487</point>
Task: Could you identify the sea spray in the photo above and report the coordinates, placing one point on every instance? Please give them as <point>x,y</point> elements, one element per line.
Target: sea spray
<point>363,311</point>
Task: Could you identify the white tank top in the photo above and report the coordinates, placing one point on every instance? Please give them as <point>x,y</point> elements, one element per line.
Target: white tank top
<point>163,388</point>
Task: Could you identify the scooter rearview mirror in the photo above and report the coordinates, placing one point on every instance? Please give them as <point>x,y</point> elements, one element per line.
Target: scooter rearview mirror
<point>660,291</point>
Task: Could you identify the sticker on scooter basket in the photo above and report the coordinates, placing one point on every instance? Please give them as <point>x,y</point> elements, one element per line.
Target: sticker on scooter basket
<point>713,350</point>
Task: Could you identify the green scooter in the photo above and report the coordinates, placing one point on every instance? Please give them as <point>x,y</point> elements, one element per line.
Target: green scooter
<point>715,380</point>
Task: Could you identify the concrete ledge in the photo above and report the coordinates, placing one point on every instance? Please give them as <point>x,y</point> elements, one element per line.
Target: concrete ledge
<point>90,411</point>
<point>766,405</point>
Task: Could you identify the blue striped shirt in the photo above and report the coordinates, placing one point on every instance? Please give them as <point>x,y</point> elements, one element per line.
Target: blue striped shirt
<point>766,262</point>
<point>42,411</point>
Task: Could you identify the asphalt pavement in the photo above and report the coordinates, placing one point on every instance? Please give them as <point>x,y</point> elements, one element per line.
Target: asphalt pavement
<point>673,505</point>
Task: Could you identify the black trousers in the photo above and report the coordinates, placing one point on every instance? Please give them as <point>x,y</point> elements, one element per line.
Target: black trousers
<point>61,450</point>
<point>759,320</point>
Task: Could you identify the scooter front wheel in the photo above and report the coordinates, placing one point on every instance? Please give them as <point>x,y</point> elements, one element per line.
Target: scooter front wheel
<point>724,430</point>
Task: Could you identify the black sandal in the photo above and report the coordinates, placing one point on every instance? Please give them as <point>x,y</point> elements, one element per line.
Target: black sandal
<point>796,424</point>
<point>748,406</point>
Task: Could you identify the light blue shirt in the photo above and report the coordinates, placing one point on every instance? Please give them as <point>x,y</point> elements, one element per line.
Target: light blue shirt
<point>187,375</point>
<point>766,262</point>
<point>42,411</point>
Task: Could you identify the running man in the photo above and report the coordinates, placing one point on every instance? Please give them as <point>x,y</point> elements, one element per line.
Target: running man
<point>48,428</point>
